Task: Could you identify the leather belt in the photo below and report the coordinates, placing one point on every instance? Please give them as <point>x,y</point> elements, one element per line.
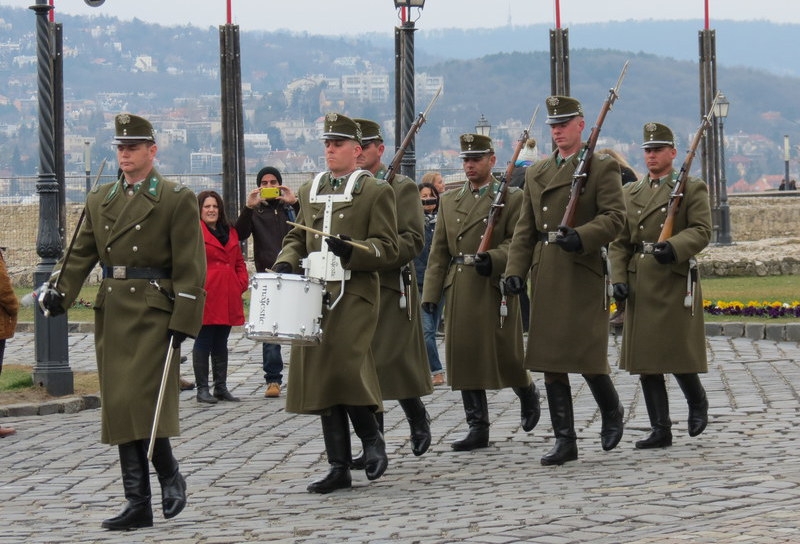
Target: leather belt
<point>549,237</point>
<point>136,273</point>
<point>468,260</point>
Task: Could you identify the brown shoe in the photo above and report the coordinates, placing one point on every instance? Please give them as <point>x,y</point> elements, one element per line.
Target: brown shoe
<point>7,431</point>
<point>186,385</point>
<point>438,379</point>
<point>273,390</point>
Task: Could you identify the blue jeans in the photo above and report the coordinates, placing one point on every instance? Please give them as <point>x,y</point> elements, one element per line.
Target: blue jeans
<point>430,324</point>
<point>272,363</point>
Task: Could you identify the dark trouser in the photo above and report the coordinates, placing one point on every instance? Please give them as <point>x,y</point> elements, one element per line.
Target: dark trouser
<point>272,363</point>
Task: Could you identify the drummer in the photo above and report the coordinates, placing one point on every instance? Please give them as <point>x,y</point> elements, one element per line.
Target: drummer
<point>337,379</point>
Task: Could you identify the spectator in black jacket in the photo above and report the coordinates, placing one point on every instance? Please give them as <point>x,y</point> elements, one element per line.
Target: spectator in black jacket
<point>265,219</point>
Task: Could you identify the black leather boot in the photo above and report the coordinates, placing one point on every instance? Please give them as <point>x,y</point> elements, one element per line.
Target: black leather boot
<point>657,402</point>
<point>611,410</point>
<point>219,368</point>
<point>698,402</point>
<point>476,409</point>
<point>420,423</point>
<point>136,482</point>
<point>336,432</point>
<point>529,407</point>
<point>200,364</point>
<point>559,400</point>
<point>366,427</point>
<point>358,462</point>
<point>173,484</point>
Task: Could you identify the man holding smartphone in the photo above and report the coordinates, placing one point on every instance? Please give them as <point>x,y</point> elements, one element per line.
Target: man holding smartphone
<point>264,215</point>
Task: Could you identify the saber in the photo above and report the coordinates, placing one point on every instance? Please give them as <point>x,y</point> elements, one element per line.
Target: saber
<point>160,401</point>
<point>322,233</point>
<point>52,282</point>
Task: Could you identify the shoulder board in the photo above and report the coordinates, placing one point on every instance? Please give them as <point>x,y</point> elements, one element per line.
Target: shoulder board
<point>514,189</point>
<point>601,156</point>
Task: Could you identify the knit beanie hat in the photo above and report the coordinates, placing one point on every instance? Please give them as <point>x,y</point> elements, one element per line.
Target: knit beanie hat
<point>269,170</point>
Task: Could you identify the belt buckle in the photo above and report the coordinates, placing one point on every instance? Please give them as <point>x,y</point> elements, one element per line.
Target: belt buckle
<point>118,272</point>
<point>551,236</point>
<point>647,248</point>
<point>469,260</point>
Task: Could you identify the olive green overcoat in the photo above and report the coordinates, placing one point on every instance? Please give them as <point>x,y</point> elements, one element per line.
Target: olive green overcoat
<point>159,227</point>
<point>398,345</point>
<point>480,354</point>
<point>569,323</point>
<point>660,334</point>
<point>341,369</point>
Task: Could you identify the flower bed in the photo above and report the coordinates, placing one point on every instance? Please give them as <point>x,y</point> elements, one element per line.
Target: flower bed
<point>753,308</point>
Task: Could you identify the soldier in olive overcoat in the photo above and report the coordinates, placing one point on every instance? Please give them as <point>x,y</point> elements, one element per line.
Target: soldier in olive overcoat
<point>398,344</point>
<point>569,313</point>
<point>483,348</point>
<point>663,329</point>
<point>145,233</point>
<point>337,378</point>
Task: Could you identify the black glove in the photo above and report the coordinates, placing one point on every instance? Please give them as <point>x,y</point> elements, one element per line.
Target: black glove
<point>514,285</point>
<point>483,264</point>
<point>282,268</point>
<point>339,247</point>
<point>177,338</point>
<point>429,307</point>
<point>664,253</point>
<point>52,301</point>
<point>568,239</point>
<point>620,291</point>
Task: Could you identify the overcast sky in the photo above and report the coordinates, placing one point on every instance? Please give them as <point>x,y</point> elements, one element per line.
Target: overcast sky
<point>354,16</point>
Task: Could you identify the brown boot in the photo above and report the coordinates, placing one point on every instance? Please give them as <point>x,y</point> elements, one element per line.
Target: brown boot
<point>186,385</point>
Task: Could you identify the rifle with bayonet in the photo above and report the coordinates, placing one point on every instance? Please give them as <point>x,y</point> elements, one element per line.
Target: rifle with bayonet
<point>680,184</point>
<point>412,131</point>
<point>500,197</point>
<point>585,156</point>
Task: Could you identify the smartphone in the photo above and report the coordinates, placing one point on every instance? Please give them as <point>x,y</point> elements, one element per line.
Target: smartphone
<point>270,193</point>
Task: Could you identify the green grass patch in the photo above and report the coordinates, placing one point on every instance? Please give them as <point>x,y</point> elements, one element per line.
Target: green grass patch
<point>15,378</point>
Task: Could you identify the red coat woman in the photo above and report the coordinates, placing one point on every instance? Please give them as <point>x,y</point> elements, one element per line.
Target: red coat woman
<point>226,280</point>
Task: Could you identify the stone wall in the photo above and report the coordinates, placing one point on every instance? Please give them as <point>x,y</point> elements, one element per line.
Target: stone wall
<point>752,218</point>
<point>762,217</point>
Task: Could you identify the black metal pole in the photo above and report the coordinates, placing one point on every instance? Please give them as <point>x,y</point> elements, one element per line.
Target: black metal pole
<point>52,369</point>
<point>724,211</point>
<point>409,163</point>
<point>233,164</point>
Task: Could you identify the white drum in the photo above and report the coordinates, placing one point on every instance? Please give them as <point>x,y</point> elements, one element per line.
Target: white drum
<point>285,309</point>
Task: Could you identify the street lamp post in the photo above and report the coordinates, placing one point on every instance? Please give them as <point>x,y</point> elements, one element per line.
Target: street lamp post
<point>786,149</point>
<point>721,112</point>
<point>404,82</point>
<point>483,127</point>
<point>51,370</point>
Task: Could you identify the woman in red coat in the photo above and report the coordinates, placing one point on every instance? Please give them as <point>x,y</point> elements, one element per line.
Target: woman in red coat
<point>226,280</point>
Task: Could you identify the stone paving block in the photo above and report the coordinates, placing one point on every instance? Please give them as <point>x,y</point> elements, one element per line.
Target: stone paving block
<point>713,329</point>
<point>754,331</point>
<point>733,329</point>
<point>793,332</point>
<point>774,331</point>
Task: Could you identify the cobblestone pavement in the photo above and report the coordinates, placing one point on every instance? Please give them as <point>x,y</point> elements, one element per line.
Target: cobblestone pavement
<point>248,464</point>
